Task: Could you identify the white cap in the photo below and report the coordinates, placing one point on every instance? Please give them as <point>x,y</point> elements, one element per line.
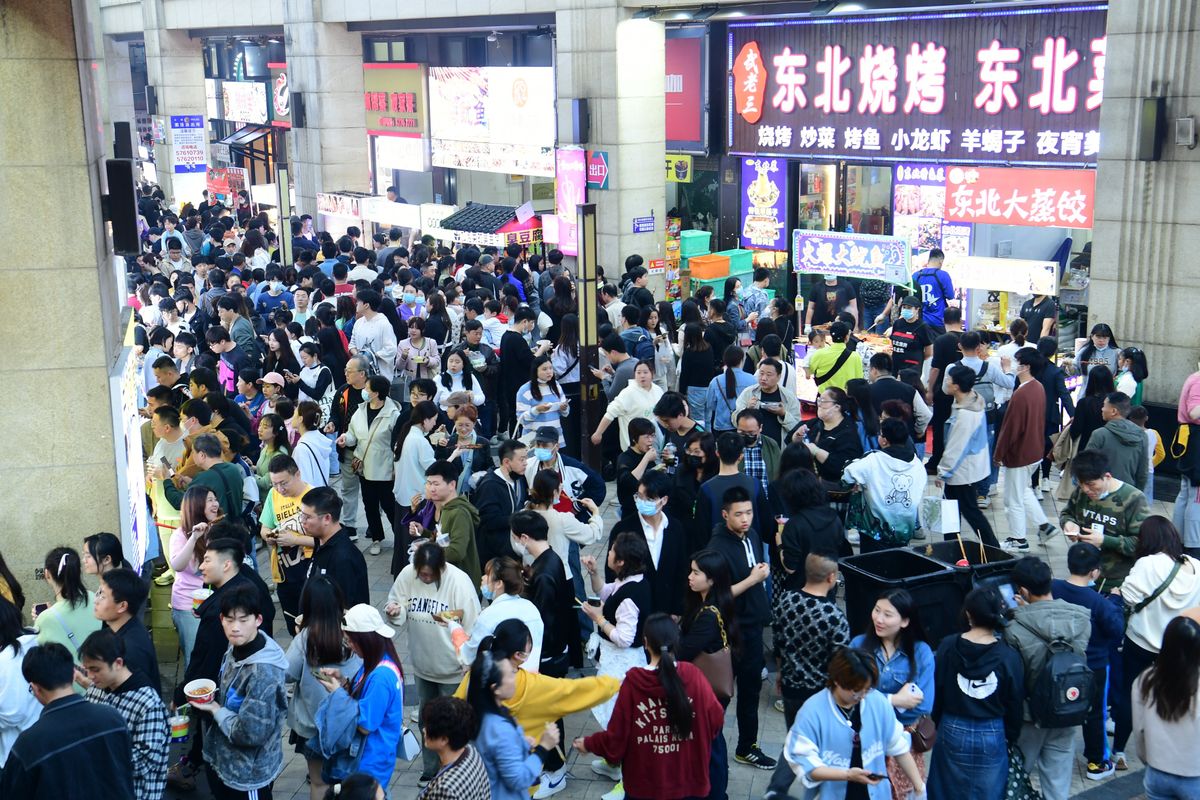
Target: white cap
<point>363,618</point>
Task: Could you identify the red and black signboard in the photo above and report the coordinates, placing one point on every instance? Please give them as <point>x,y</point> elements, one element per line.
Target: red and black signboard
<point>1016,86</point>
<point>685,90</point>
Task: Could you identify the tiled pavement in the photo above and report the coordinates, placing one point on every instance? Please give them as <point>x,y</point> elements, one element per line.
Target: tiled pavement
<point>745,783</point>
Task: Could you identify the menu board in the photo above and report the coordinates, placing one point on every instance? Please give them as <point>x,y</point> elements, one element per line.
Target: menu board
<point>919,202</point>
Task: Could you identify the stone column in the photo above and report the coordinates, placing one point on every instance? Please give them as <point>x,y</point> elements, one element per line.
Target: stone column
<point>619,65</point>
<point>57,480</point>
<point>175,68</point>
<point>1145,281</point>
<point>120,89</point>
<point>325,65</point>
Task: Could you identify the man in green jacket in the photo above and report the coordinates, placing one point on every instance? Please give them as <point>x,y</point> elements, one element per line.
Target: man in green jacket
<point>223,478</point>
<point>455,520</point>
<point>1107,513</point>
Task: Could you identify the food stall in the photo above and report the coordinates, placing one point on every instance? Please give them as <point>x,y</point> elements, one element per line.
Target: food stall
<point>482,225</point>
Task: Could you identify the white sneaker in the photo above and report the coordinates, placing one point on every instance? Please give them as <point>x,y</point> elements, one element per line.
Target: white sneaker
<point>984,502</point>
<point>602,767</point>
<point>552,783</point>
<point>852,537</point>
<point>617,793</point>
<point>415,716</point>
<point>1044,486</point>
<point>374,548</point>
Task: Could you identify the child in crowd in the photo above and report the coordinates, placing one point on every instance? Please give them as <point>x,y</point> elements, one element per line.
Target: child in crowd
<point>1139,416</point>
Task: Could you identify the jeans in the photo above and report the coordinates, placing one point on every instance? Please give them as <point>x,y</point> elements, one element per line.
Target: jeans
<point>967,508</point>
<point>1095,741</point>
<point>376,496</point>
<point>870,312</point>
<point>1134,660</point>
<point>783,777</point>
<point>487,419</point>
<point>748,672</point>
<point>718,768</point>
<point>186,625</point>
<point>1187,513</point>
<point>347,485</point>
<point>985,485</point>
<point>969,753</point>
<point>1020,500</point>
<point>1167,786</point>
<point>697,397</point>
<point>426,691</point>
<point>1050,754</point>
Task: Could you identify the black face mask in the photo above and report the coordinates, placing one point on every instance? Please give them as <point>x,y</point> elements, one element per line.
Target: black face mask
<point>693,462</point>
<point>750,441</point>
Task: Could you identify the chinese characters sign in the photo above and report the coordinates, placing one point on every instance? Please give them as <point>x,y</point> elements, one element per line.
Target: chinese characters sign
<point>187,144</point>
<point>852,255</point>
<point>764,203</point>
<point>1005,85</point>
<point>394,100</point>
<point>569,190</point>
<point>1063,198</point>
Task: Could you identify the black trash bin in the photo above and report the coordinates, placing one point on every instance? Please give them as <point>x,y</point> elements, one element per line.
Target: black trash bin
<point>935,588</point>
<point>988,565</point>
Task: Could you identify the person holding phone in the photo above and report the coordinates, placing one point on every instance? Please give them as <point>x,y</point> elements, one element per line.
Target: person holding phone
<point>1104,512</point>
<point>843,734</point>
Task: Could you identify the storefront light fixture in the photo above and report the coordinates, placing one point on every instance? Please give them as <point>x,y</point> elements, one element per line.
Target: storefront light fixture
<point>703,13</point>
<point>645,13</point>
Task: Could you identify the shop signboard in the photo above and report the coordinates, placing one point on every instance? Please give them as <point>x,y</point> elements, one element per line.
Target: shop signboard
<point>338,205</point>
<point>281,95</point>
<point>570,190</point>
<point>187,144</point>
<point>158,130</point>
<point>126,393</point>
<point>394,100</point>
<point>220,153</point>
<point>224,183</point>
<point>597,169</point>
<point>386,212</point>
<point>764,203</point>
<point>643,224</point>
<point>686,55</point>
<point>400,152</point>
<point>852,255</point>
<point>679,169</point>
<point>1005,85</point>
<point>432,215</point>
<point>245,101</point>
<point>1004,274</point>
<point>1058,198</point>
<point>494,119</point>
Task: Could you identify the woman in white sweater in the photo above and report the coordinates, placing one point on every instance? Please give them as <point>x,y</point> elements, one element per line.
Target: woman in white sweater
<point>1166,714</point>
<point>18,707</point>
<point>637,399</point>
<point>459,377</point>
<point>547,499</point>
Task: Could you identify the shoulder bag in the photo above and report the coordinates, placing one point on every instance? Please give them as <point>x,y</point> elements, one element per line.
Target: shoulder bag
<point>1162,587</point>
<point>923,733</point>
<point>718,667</point>
<point>842,359</point>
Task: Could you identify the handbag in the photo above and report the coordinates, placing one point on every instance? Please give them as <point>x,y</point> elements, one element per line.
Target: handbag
<point>718,667</point>
<point>1018,786</point>
<point>923,733</point>
<point>939,515</point>
<point>1162,587</point>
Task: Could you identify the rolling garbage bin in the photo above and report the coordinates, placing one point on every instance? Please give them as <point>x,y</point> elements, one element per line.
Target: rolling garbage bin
<point>999,563</point>
<point>934,585</point>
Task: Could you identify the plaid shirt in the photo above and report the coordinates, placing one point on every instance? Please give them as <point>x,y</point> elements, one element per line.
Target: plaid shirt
<point>146,717</point>
<point>465,779</point>
<point>755,466</point>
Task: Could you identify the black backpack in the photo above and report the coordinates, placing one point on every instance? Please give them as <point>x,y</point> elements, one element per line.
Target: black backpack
<point>1061,693</point>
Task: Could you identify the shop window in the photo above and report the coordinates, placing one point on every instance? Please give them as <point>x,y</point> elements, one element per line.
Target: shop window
<point>867,196</point>
<point>379,51</point>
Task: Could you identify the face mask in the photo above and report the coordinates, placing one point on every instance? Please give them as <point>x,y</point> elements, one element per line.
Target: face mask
<point>1091,584</point>
<point>409,298</point>
<point>750,441</point>
<point>519,548</point>
<point>420,301</point>
<point>276,286</point>
<point>693,462</point>
<point>908,315</point>
<point>365,396</point>
<point>543,453</point>
<point>831,278</point>
<point>455,372</point>
<point>486,590</point>
<point>647,508</point>
<point>391,290</point>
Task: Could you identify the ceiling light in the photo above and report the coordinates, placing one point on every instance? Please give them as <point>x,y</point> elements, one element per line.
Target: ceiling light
<point>494,36</point>
<point>823,8</point>
<point>680,15</point>
<point>645,13</point>
<point>846,8</point>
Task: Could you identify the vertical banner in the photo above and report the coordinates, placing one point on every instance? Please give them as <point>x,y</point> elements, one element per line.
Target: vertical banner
<point>187,144</point>
<point>764,203</point>
<point>685,90</point>
<point>570,185</point>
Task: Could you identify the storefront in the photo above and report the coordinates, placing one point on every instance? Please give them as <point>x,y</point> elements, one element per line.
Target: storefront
<point>974,131</point>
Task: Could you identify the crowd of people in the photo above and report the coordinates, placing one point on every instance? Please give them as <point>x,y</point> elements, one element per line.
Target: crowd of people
<point>436,392</point>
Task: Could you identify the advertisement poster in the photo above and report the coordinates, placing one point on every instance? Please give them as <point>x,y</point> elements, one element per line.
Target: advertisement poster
<point>245,102</point>
<point>852,255</point>
<point>188,138</point>
<point>1004,274</point>
<point>1061,198</point>
<point>394,100</point>
<point>281,96</point>
<point>224,183</point>
<point>685,90</point>
<point>997,85</point>
<point>764,203</point>
<point>570,184</point>
<point>679,169</point>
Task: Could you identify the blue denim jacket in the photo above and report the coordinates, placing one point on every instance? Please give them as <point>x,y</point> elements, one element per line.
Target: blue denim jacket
<point>893,674</point>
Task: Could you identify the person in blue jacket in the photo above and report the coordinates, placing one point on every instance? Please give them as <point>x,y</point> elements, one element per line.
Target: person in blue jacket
<point>511,767</point>
<point>905,661</point>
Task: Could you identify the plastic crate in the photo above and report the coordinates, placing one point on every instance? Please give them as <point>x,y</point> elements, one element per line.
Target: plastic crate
<point>934,585</point>
<point>999,563</point>
<point>718,284</point>
<point>710,267</point>
<point>739,260</point>
<point>695,243</point>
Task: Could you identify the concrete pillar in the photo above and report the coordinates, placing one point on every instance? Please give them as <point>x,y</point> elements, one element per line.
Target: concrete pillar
<point>57,483</point>
<point>120,89</point>
<point>1145,282</point>
<point>325,64</point>
<point>175,68</point>
<point>619,65</point>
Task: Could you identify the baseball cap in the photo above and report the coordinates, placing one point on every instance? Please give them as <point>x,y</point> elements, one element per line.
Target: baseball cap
<point>546,433</point>
<point>911,300</point>
<point>275,378</point>
<point>363,618</point>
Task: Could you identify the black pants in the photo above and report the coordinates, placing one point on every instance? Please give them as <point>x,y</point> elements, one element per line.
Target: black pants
<point>377,495</point>
<point>749,666</point>
<point>942,406</point>
<point>555,668</point>
<point>783,777</point>
<point>1095,741</point>
<point>222,792</point>
<point>289,602</point>
<point>401,540</point>
<point>965,494</point>
<point>1134,659</point>
<point>572,424</point>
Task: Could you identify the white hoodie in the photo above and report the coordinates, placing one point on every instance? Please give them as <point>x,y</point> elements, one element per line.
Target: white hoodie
<point>1146,627</point>
<point>312,455</point>
<point>431,652</point>
<point>18,708</point>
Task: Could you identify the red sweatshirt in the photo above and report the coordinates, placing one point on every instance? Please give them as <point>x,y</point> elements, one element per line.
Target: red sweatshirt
<point>654,762</point>
<point>1022,437</point>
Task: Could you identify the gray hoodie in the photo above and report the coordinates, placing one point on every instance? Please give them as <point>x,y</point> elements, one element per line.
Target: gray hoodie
<point>1053,619</point>
<point>1125,445</point>
<point>244,741</point>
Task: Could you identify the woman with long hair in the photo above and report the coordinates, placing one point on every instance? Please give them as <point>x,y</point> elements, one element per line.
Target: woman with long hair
<point>1166,715</point>
<point>560,304</point>
<point>282,359</point>
<point>254,248</point>
<point>843,734</point>
<point>1101,349</point>
<point>784,314</point>
<point>198,511</point>
<point>413,454</point>
<point>70,619</point>
<point>1089,411</point>
<point>905,662</point>
<point>702,297</point>
<point>459,376</point>
<point>565,358</point>
<point>418,355</point>
<point>334,354</point>
<point>664,351</point>
<point>695,369</point>
<point>697,463</point>
<point>377,686</point>
<point>665,754</point>
<point>102,552</point>
<point>437,321</point>
<point>318,644</point>
<point>563,526</point>
<point>541,403</point>
<point>720,401</point>
<point>273,435</point>
<point>1132,372</point>
<point>833,436</point>
<point>10,587</point>
<point>976,725</point>
<point>19,709</point>
<point>636,400</point>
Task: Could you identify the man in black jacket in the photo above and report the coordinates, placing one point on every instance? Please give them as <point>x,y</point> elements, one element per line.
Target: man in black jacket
<point>665,538</point>
<point>335,557</point>
<point>735,539</point>
<point>346,401</point>
<point>517,359</point>
<point>498,495</point>
<point>77,750</point>
<point>487,369</point>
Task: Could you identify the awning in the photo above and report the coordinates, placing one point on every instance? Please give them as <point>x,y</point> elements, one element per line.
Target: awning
<point>244,137</point>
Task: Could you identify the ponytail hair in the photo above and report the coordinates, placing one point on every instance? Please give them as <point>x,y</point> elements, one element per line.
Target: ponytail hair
<point>661,636</point>
<point>732,359</point>
<point>63,565</point>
